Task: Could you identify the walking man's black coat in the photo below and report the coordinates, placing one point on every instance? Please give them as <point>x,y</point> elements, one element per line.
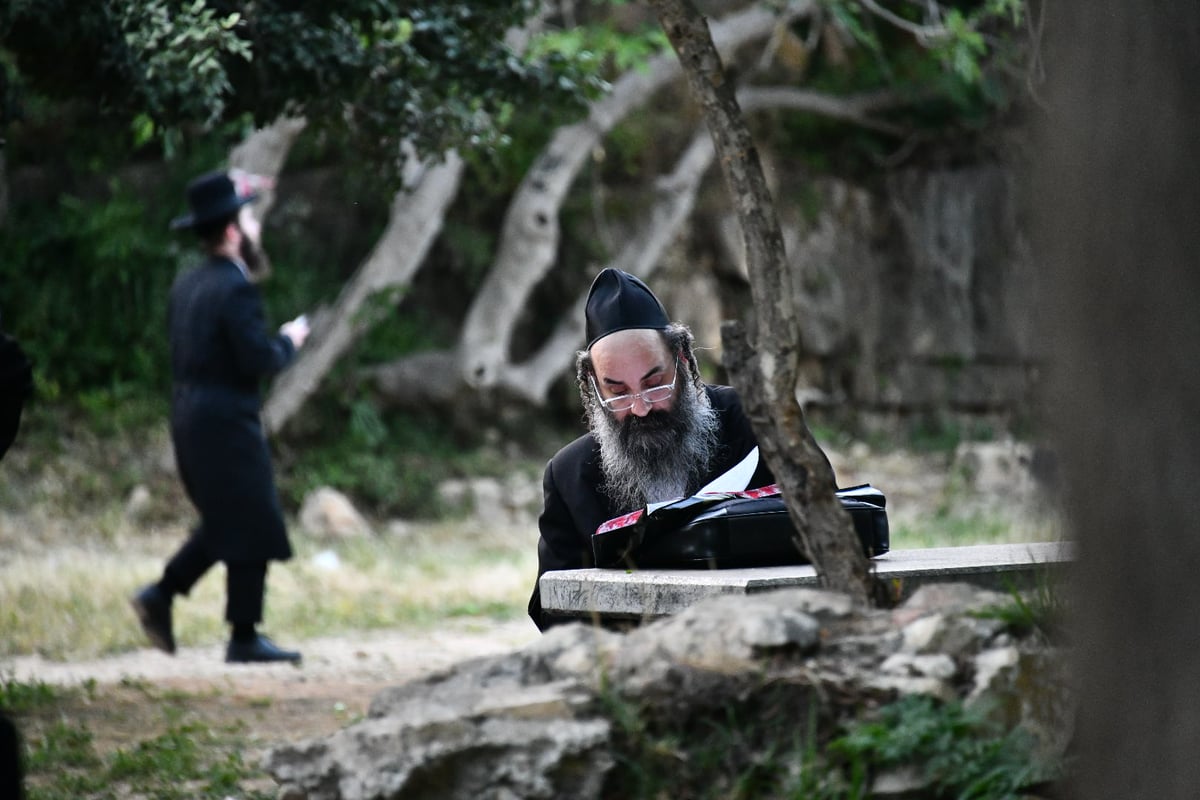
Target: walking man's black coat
<point>220,353</point>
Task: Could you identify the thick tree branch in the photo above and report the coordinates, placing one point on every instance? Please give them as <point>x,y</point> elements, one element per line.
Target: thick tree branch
<point>856,109</point>
<point>675,201</point>
<point>416,219</point>
<point>530,234</point>
<point>264,152</point>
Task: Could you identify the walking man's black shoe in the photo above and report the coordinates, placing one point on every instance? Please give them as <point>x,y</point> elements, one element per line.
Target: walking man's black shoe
<point>258,650</point>
<point>153,607</point>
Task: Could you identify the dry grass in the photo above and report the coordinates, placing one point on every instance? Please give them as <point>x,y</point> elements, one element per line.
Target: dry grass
<point>68,599</point>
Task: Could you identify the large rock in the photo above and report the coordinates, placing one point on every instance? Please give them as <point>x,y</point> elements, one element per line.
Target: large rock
<point>326,512</point>
<point>530,742</point>
<point>524,724</point>
<point>536,722</point>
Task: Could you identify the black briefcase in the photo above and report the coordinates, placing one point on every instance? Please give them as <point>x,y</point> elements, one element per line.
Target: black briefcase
<point>735,529</point>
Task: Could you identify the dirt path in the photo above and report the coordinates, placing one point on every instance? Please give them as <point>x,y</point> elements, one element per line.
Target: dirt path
<point>333,685</point>
<point>378,656</point>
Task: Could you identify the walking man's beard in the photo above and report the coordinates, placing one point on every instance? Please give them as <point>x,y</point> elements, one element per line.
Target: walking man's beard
<point>657,457</point>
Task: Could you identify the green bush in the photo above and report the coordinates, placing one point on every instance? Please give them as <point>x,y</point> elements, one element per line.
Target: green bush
<point>958,751</point>
<point>85,290</point>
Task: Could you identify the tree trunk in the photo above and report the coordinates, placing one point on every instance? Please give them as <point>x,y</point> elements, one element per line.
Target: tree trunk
<point>1116,178</point>
<point>765,368</point>
<point>260,156</point>
<point>416,219</point>
<point>264,153</point>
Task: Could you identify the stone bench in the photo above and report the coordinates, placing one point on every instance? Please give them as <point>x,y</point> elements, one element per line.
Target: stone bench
<point>617,594</point>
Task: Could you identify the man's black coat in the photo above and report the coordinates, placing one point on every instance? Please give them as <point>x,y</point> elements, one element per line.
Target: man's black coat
<point>220,353</point>
<point>575,506</point>
<point>16,384</point>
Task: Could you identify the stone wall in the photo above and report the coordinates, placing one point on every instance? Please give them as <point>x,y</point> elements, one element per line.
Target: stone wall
<point>918,291</point>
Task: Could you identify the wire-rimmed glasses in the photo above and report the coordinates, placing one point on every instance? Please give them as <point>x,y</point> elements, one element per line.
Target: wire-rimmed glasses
<point>624,402</point>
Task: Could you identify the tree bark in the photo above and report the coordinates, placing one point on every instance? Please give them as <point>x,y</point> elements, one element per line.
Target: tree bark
<point>261,156</point>
<point>531,380</point>
<point>765,366</point>
<point>1116,197</point>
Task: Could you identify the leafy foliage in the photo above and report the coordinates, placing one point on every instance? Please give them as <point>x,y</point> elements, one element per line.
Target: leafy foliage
<point>959,66</point>
<point>99,321</point>
<point>959,752</point>
<point>605,44</point>
<point>374,73</point>
<point>184,50</point>
<point>94,86</point>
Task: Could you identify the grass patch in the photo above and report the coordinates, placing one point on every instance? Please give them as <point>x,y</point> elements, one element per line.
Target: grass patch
<point>432,572</point>
<point>70,600</point>
<point>171,754</point>
<point>1040,610</point>
<point>17,696</point>
<point>72,555</point>
<point>949,528</point>
<point>74,603</point>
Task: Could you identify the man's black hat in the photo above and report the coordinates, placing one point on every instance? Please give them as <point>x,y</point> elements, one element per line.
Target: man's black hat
<point>618,301</point>
<point>213,197</point>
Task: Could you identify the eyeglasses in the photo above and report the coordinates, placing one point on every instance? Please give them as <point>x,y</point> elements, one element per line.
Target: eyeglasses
<point>624,402</point>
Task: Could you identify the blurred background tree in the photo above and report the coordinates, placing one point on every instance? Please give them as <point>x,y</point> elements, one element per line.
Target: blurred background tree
<point>108,110</point>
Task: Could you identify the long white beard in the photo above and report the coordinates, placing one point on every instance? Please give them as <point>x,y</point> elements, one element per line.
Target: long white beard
<point>659,457</point>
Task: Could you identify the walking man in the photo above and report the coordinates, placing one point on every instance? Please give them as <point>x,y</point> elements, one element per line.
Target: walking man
<point>221,351</point>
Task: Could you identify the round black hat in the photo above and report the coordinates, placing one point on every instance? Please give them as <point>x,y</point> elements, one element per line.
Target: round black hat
<point>212,197</point>
<point>619,301</point>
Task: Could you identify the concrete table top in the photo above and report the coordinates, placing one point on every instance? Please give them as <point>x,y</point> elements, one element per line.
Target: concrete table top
<point>659,592</point>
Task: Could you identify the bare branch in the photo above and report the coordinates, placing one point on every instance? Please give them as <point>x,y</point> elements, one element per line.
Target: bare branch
<point>849,109</point>
<point>923,33</point>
